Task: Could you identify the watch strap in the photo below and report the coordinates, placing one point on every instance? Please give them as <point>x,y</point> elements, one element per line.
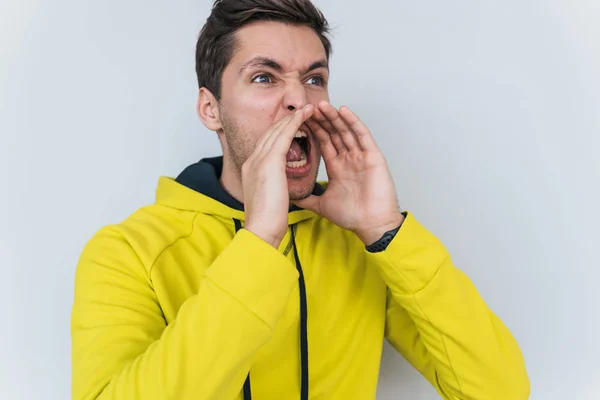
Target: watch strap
<point>384,241</point>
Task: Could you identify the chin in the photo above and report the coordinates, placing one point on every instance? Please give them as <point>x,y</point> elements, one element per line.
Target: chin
<point>299,190</point>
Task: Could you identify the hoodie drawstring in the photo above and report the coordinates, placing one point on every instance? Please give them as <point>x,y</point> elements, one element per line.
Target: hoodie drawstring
<point>303,324</point>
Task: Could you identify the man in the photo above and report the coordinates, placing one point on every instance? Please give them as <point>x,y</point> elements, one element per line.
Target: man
<point>247,279</point>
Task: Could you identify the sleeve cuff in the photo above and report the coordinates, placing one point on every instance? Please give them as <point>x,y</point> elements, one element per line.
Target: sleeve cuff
<point>411,260</point>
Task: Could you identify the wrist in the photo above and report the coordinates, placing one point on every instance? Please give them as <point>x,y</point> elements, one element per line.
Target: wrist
<point>273,240</point>
<point>372,234</point>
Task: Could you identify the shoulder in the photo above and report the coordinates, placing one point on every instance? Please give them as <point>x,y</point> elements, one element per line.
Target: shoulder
<point>144,235</point>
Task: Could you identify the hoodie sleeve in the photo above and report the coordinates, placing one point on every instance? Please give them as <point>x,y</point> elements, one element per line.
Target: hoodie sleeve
<point>123,349</point>
<point>438,321</point>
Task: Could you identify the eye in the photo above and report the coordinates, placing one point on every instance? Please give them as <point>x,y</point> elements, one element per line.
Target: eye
<point>262,78</point>
<point>316,80</point>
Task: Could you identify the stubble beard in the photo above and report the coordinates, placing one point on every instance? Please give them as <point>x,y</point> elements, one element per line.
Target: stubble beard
<point>301,194</point>
<point>238,150</point>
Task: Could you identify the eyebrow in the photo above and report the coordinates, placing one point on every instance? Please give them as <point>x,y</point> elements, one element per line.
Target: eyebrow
<point>265,62</point>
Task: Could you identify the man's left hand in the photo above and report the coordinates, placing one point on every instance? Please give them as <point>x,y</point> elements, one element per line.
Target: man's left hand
<point>360,196</point>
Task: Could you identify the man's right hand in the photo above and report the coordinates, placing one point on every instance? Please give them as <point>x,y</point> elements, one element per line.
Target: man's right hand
<point>264,179</point>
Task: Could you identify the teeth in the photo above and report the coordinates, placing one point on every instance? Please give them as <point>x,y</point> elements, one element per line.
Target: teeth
<point>303,156</point>
<point>300,134</point>
<point>297,164</point>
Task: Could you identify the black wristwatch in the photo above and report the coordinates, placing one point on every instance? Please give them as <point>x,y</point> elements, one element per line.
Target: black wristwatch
<point>385,240</point>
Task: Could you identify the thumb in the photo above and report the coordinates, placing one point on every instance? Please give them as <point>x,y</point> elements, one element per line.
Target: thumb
<point>311,203</point>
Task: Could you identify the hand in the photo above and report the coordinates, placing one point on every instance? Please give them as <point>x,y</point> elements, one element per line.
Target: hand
<point>360,196</point>
<point>264,179</point>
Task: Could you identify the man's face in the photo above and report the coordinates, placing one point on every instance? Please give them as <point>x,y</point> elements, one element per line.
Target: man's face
<point>277,68</point>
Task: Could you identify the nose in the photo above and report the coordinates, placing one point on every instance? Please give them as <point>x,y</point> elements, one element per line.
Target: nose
<point>295,97</point>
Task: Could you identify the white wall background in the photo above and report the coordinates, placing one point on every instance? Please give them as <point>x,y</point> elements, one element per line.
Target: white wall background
<point>488,111</point>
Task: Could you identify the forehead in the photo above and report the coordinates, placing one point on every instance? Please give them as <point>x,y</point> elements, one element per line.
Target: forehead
<point>291,45</point>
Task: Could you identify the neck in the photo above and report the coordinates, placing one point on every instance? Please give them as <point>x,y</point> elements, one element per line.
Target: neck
<point>231,180</point>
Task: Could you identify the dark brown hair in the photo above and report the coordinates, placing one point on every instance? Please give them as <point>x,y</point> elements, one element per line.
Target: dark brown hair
<point>216,43</point>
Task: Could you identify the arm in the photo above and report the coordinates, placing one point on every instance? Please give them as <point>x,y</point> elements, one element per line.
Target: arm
<point>122,347</point>
<point>437,320</point>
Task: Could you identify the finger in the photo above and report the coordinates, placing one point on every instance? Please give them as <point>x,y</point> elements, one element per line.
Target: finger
<point>268,135</point>
<point>363,133</point>
<point>333,116</point>
<point>336,138</point>
<point>282,141</point>
<point>311,203</point>
<point>275,132</point>
<point>322,119</point>
<point>323,138</point>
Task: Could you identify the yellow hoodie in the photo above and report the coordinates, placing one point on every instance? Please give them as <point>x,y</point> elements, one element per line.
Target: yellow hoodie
<point>172,303</point>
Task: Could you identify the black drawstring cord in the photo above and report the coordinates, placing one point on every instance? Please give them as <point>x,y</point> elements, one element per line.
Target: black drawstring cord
<point>303,324</point>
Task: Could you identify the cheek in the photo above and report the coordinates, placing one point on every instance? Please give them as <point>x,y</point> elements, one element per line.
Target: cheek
<point>257,100</point>
<point>254,115</point>
<point>262,110</point>
<point>316,96</point>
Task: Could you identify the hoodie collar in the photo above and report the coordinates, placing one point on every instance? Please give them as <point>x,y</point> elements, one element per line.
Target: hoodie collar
<point>198,188</point>
<point>203,177</point>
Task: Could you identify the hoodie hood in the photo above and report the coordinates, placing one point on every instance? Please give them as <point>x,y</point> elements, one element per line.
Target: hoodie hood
<point>198,189</point>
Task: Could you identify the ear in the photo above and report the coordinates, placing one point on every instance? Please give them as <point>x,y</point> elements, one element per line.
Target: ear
<point>208,110</point>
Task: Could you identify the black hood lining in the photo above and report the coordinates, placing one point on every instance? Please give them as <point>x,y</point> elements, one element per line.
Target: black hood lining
<point>203,177</point>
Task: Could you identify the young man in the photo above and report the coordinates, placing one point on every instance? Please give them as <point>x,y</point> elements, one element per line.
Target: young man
<point>247,279</point>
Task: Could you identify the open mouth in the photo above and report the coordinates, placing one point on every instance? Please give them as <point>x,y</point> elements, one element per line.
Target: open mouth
<point>299,151</point>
